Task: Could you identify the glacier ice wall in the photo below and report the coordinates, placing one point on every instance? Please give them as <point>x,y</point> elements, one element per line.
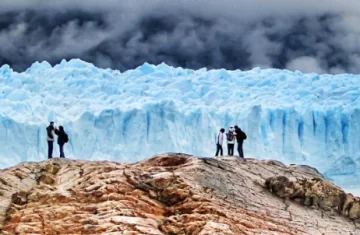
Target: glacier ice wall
<point>289,116</point>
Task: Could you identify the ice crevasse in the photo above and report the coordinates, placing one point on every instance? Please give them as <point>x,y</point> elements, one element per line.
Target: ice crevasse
<point>127,116</point>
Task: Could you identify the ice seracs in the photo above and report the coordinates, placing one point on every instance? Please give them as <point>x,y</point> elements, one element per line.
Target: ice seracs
<point>289,116</point>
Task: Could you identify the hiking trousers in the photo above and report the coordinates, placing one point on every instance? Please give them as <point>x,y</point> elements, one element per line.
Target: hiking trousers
<point>61,147</point>
<point>219,148</point>
<point>231,149</point>
<point>240,149</point>
<point>50,149</point>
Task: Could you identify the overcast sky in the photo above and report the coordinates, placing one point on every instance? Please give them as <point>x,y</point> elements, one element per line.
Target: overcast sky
<point>310,36</point>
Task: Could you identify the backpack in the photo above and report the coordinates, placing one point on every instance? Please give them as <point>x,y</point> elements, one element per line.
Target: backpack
<point>244,135</point>
<point>230,136</point>
<point>66,138</point>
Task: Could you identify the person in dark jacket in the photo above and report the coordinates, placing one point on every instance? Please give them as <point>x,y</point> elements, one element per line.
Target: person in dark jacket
<point>62,139</point>
<point>50,138</point>
<point>240,137</point>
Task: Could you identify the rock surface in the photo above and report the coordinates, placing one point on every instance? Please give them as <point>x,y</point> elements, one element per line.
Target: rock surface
<point>167,194</point>
<point>316,193</point>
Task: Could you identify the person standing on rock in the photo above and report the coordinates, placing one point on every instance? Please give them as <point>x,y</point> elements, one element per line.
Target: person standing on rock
<point>219,142</point>
<point>50,130</point>
<point>230,138</point>
<point>240,137</point>
<point>62,140</point>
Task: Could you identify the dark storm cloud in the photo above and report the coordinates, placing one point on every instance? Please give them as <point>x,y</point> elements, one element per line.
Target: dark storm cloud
<point>305,35</point>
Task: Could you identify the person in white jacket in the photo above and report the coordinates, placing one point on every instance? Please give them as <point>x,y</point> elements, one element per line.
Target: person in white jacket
<point>219,142</point>
<point>50,134</point>
<point>230,139</point>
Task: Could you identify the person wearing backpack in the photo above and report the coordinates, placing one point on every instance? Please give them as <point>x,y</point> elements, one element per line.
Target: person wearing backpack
<point>62,139</point>
<point>219,142</point>
<point>230,138</point>
<point>240,137</point>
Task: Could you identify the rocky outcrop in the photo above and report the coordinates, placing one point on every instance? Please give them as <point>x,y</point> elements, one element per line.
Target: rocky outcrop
<point>167,194</point>
<point>316,193</point>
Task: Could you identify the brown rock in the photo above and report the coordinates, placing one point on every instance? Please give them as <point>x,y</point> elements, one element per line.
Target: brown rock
<point>354,211</point>
<point>46,178</point>
<point>171,194</point>
<point>52,168</point>
<point>19,198</point>
<point>316,193</point>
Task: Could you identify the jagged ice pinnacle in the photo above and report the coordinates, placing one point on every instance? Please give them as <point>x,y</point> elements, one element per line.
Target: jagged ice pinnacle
<point>288,116</point>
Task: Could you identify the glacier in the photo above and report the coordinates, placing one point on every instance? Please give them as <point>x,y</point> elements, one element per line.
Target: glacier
<point>127,116</point>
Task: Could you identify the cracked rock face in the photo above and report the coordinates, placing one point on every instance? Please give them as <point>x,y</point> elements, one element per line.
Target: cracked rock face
<point>316,193</point>
<point>167,194</point>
